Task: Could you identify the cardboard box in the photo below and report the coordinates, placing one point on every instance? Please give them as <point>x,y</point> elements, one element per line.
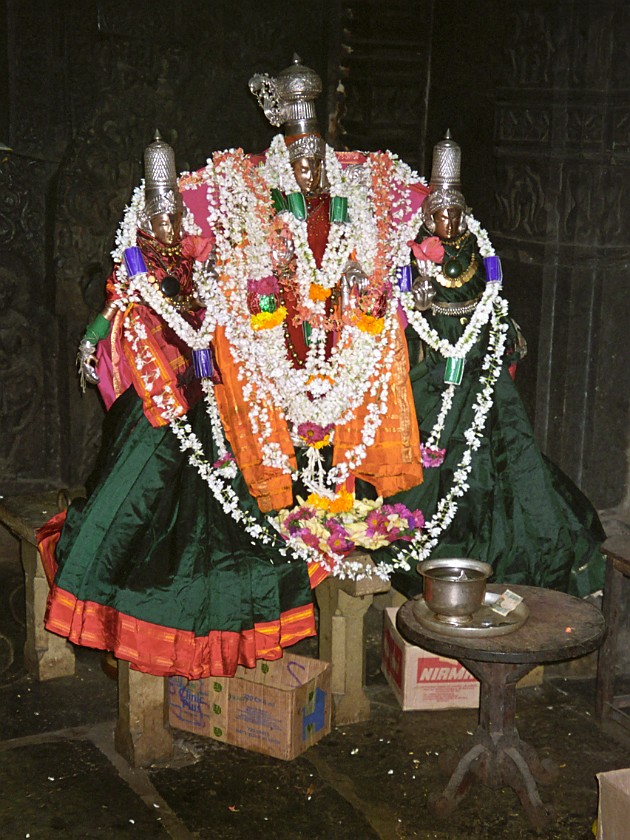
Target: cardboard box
<point>278,708</point>
<point>613,817</point>
<point>424,680</point>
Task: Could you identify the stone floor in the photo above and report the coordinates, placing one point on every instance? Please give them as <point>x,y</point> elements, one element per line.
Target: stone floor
<point>60,777</point>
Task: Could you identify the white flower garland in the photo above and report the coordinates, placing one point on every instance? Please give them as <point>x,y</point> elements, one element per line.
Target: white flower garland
<point>360,362</point>
<point>491,309</point>
<point>359,367</point>
<point>480,316</point>
<point>422,546</point>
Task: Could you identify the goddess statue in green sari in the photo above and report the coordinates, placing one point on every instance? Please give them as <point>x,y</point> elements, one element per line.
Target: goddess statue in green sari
<point>488,491</point>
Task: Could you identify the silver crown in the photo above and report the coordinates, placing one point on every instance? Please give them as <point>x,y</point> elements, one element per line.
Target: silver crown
<point>445,184</point>
<point>310,146</point>
<point>289,101</point>
<point>447,162</point>
<point>161,193</point>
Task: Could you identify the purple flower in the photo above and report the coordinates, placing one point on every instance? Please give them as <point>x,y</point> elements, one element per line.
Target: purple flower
<point>376,523</point>
<point>431,456</point>
<point>307,537</point>
<point>223,461</point>
<point>414,519</point>
<point>398,509</point>
<point>293,519</point>
<point>339,541</point>
<point>313,432</point>
<point>263,286</point>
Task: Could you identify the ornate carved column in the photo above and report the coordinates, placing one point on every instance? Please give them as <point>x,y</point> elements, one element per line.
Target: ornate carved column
<point>384,77</point>
<point>563,169</point>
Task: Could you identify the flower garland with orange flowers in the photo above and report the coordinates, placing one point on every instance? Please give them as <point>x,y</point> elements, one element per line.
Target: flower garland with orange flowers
<point>325,390</point>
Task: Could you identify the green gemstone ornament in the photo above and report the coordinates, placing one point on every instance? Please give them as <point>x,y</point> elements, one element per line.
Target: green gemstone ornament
<point>267,303</point>
<point>297,205</point>
<point>279,201</point>
<point>338,208</point>
<point>453,269</point>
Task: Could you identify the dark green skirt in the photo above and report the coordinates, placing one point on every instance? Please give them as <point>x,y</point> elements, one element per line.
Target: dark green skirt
<point>521,514</point>
<point>151,567</point>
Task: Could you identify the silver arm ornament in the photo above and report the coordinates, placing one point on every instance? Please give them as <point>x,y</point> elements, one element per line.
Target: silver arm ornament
<point>353,277</point>
<point>282,253</point>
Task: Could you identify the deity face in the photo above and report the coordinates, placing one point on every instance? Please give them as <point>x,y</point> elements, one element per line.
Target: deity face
<point>166,227</point>
<point>447,221</point>
<point>308,172</point>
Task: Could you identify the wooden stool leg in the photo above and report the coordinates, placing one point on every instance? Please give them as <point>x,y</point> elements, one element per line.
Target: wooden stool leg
<point>142,733</point>
<point>46,655</point>
<point>611,607</point>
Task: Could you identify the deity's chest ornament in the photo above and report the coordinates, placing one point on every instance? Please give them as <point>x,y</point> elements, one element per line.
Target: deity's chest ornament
<point>460,262</point>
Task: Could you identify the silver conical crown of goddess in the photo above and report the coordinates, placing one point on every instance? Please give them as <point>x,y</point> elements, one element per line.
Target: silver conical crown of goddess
<point>289,101</point>
<point>447,162</point>
<point>161,193</point>
<point>445,184</point>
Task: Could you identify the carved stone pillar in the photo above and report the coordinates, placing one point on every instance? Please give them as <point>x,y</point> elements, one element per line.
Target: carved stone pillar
<point>563,150</point>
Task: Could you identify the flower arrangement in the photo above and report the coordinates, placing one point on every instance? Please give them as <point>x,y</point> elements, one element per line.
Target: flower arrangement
<point>359,523</point>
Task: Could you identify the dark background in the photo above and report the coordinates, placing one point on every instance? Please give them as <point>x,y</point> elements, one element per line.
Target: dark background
<point>535,91</point>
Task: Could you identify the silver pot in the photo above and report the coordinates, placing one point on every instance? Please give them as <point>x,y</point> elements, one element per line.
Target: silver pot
<point>454,587</point>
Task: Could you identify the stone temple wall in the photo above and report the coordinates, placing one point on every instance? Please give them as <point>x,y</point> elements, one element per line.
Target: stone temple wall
<point>536,94</point>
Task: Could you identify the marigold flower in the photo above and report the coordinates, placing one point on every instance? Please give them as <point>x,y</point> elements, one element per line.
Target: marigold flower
<point>342,503</point>
<point>318,502</point>
<point>318,292</point>
<point>268,320</point>
<point>370,324</point>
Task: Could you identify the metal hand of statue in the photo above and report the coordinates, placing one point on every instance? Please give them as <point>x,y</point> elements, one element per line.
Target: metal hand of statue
<point>353,277</point>
<point>282,252</point>
<point>86,363</point>
<point>422,292</point>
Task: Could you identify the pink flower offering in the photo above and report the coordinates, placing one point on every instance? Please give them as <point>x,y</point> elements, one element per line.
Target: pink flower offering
<point>414,519</point>
<point>263,286</point>
<point>198,247</point>
<point>376,523</point>
<point>431,456</point>
<point>293,521</point>
<point>312,432</point>
<point>430,249</point>
<point>338,541</point>
<point>307,537</point>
